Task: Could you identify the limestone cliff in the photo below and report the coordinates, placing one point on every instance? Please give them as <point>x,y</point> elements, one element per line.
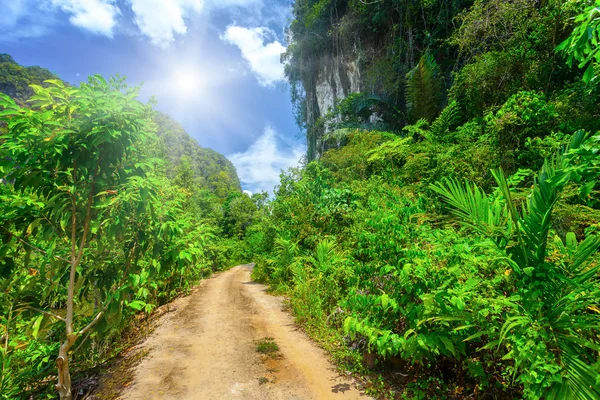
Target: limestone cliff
<point>340,47</point>
<point>337,77</point>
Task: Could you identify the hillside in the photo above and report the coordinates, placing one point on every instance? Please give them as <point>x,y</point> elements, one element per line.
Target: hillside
<point>389,64</point>
<point>15,79</point>
<point>212,170</point>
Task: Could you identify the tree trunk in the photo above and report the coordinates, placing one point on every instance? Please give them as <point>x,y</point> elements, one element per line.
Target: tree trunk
<point>62,362</point>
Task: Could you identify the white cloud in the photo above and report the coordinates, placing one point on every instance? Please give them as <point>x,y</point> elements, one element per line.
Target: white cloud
<point>259,166</point>
<point>96,16</point>
<point>233,3</point>
<point>264,59</point>
<point>161,20</point>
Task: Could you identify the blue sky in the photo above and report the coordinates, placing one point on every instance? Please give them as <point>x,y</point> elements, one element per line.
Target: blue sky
<point>213,65</point>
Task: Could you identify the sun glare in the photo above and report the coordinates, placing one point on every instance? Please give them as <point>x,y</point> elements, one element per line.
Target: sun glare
<point>187,82</point>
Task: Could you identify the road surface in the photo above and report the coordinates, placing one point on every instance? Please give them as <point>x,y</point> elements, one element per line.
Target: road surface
<point>207,349</point>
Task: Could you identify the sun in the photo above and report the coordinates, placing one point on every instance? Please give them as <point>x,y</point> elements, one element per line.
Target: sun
<point>187,82</point>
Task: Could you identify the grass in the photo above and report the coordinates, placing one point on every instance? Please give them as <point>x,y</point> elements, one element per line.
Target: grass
<point>267,346</point>
<point>262,380</point>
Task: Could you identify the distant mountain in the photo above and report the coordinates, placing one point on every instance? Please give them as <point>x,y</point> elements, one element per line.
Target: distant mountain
<point>15,79</point>
<point>211,169</point>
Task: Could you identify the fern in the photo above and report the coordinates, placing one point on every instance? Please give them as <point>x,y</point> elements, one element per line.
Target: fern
<point>449,117</point>
<point>424,87</point>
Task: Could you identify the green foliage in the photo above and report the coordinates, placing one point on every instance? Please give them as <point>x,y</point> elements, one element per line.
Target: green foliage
<point>448,119</point>
<point>424,89</point>
<point>482,51</point>
<point>359,110</point>
<point>93,229</point>
<point>525,114</point>
<point>503,304</point>
<point>15,79</point>
<point>487,81</point>
<point>582,44</point>
<point>279,268</point>
<point>381,267</point>
<point>494,25</point>
<point>238,212</point>
<point>554,301</point>
<point>267,346</point>
<point>383,39</point>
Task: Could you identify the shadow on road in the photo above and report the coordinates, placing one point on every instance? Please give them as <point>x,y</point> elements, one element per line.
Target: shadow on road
<point>340,388</point>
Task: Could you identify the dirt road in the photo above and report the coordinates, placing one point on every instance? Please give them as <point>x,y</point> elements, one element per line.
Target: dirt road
<point>207,349</point>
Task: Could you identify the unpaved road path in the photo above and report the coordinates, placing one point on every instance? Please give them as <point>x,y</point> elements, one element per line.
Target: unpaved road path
<point>207,349</point>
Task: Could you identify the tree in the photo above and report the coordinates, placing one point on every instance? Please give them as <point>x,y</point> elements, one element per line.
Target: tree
<point>239,210</point>
<point>260,199</point>
<point>72,152</point>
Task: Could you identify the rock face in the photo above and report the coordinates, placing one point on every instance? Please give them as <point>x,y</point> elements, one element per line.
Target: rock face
<point>338,76</point>
<point>336,80</point>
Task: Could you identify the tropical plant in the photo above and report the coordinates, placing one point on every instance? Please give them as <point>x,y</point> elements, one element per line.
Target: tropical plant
<point>552,332</point>
<point>72,151</point>
<point>424,89</point>
<point>582,45</point>
<point>448,118</point>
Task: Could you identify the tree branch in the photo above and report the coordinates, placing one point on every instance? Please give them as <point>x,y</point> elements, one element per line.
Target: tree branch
<point>91,324</point>
<point>70,293</point>
<point>48,313</point>
<point>26,243</point>
<point>88,215</point>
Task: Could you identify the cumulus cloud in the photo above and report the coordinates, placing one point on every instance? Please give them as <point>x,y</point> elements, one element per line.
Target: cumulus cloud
<point>33,18</point>
<point>233,3</point>
<point>263,58</point>
<point>259,166</point>
<point>95,16</point>
<point>161,20</point>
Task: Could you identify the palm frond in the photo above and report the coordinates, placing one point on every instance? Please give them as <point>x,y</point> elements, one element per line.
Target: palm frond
<point>585,250</point>
<point>563,301</point>
<point>324,256</point>
<point>472,205</point>
<point>581,378</point>
<point>537,212</point>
